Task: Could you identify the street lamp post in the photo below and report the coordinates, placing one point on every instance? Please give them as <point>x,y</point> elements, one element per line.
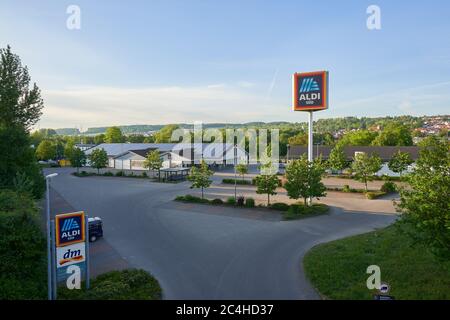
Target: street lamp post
<point>235,176</point>
<point>49,259</point>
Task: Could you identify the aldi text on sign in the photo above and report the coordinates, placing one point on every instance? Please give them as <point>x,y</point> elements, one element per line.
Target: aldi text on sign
<point>310,91</point>
<point>70,228</point>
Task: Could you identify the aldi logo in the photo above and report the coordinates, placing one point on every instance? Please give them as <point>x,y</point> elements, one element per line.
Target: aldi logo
<point>310,91</point>
<point>69,228</point>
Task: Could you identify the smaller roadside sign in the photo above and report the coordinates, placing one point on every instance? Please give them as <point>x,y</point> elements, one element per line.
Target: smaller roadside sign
<point>70,228</point>
<point>71,254</point>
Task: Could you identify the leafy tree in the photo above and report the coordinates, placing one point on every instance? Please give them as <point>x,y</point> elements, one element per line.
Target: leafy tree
<point>100,138</point>
<point>98,159</point>
<point>19,104</point>
<point>400,162</point>
<point>304,179</point>
<point>113,135</point>
<point>69,148</point>
<point>46,150</point>
<point>299,140</point>
<point>425,203</point>
<point>165,134</point>
<point>337,159</point>
<point>135,138</point>
<point>358,138</point>
<point>200,176</point>
<point>77,158</point>
<point>242,170</point>
<point>267,184</point>
<point>364,167</point>
<point>153,161</point>
<point>394,134</point>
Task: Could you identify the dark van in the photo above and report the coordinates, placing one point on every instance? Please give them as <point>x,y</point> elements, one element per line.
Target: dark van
<point>95,228</point>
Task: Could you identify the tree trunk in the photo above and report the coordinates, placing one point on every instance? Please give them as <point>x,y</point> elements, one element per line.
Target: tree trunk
<point>202,193</point>
<point>304,201</point>
<point>268,200</point>
<point>365,181</point>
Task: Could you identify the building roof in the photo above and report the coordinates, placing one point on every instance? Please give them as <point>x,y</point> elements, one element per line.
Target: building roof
<point>384,152</point>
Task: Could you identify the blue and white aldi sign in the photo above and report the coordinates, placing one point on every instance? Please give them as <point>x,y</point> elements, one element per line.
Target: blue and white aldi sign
<point>310,91</point>
<point>70,228</point>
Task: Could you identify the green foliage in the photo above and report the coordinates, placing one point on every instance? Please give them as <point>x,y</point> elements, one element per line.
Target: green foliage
<point>20,103</point>
<point>77,158</point>
<point>114,135</point>
<point>153,161</point>
<point>242,170</point>
<point>358,138</point>
<point>129,284</point>
<point>190,198</point>
<point>165,134</point>
<point>303,179</point>
<point>231,201</point>
<point>17,158</point>
<point>22,248</point>
<point>249,202</point>
<point>98,159</point>
<point>280,206</point>
<point>365,166</point>
<point>425,203</point>
<point>400,162</point>
<point>120,174</point>
<point>371,195</point>
<point>337,159</point>
<point>388,187</point>
<point>267,184</point>
<point>299,211</point>
<point>394,134</point>
<point>346,188</point>
<point>217,201</point>
<point>200,177</point>
<point>100,138</point>
<point>46,150</point>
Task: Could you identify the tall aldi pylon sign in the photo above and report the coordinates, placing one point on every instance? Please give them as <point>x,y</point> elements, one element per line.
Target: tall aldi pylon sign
<point>310,91</point>
<point>71,251</point>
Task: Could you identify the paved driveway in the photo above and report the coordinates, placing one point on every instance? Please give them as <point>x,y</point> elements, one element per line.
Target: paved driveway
<point>203,252</point>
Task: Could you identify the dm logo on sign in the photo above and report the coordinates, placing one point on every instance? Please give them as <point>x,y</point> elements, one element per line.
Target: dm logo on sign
<point>69,228</point>
<point>310,91</point>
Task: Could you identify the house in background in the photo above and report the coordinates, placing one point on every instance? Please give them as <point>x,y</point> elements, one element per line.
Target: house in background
<point>384,152</point>
<point>84,146</point>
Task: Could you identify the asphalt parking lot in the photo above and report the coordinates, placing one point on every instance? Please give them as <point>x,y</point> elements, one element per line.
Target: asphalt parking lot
<point>201,252</point>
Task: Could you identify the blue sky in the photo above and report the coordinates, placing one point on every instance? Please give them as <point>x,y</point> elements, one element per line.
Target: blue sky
<point>155,62</point>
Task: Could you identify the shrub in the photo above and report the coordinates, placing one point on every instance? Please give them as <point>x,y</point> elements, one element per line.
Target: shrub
<point>120,174</point>
<point>388,187</point>
<point>240,201</point>
<point>131,284</point>
<point>231,201</point>
<point>297,211</point>
<point>190,198</point>
<point>217,201</point>
<point>108,174</point>
<point>144,174</point>
<point>280,182</point>
<point>249,202</point>
<point>279,206</point>
<point>346,188</point>
<point>22,248</point>
<point>371,195</point>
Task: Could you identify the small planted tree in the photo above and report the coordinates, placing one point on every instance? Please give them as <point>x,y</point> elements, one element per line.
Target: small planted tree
<point>242,170</point>
<point>337,159</point>
<point>154,162</point>
<point>98,159</point>
<point>77,158</point>
<point>365,166</point>
<point>200,177</point>
<point>267,184</point>
<point>303,179</point>
<point>400,162</point>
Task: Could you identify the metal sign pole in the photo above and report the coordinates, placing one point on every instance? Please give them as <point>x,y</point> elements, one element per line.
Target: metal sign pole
<point>86,232</point>
<point>310,144</point>
<point>49,256</point>
<point>54,267</point>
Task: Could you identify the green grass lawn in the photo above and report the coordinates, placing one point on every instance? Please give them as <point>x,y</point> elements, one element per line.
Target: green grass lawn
<point>338,269</point>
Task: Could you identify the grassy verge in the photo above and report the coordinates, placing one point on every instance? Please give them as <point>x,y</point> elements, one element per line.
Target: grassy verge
<point>129,284</point>
<point>338,269</point>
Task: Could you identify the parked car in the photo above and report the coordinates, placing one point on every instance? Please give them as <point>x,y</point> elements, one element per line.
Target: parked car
<point>95,228</point>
